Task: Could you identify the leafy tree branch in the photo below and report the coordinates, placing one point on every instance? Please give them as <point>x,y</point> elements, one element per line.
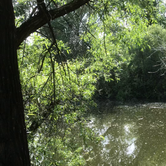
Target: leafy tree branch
<point>38,20</point>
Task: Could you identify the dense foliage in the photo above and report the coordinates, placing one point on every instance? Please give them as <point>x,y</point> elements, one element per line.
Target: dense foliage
<point>142,77</point>
<point>107,49</point>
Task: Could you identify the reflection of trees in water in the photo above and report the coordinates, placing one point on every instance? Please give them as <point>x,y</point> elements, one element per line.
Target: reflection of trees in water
<point>134,136</point>
<point>152,135</point>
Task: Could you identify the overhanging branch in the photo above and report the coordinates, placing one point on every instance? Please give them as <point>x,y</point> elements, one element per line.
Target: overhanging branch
<point>37,21</point>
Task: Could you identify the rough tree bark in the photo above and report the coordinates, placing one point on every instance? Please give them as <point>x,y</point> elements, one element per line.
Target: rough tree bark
<point>13,139</point>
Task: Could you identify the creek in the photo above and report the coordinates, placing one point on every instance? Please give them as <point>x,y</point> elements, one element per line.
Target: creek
<point>134,135</point>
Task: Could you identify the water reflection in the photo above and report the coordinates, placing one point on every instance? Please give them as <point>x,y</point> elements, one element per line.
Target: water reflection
<point>134,136</point>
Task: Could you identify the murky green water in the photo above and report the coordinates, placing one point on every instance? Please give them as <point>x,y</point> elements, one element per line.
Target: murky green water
<point>134,135</point>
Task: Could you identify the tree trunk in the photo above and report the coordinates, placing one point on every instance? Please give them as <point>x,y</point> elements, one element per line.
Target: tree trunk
<point>13,141</point>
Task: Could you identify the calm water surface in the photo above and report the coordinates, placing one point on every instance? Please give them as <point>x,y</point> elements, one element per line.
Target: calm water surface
<point>133,135</point>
